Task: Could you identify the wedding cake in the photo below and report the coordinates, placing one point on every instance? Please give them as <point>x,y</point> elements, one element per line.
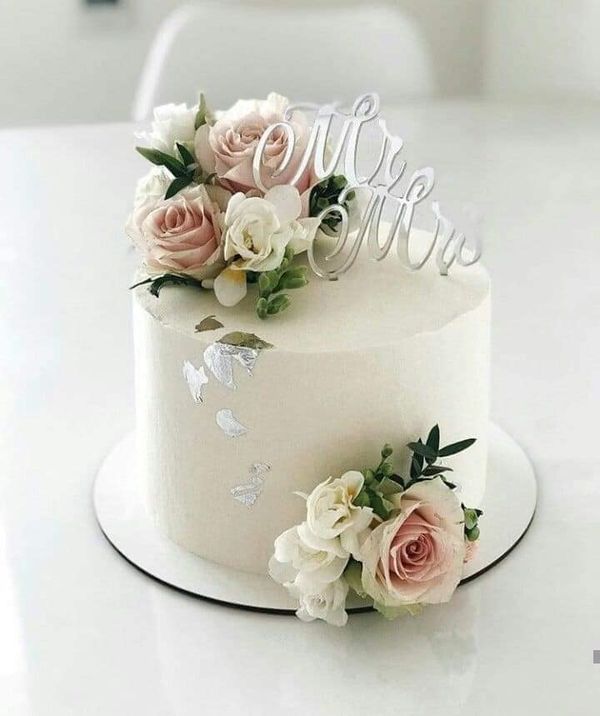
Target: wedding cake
<point>259,419</point>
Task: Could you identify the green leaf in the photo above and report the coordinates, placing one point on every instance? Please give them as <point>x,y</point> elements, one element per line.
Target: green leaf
<point>187,157</point>
<point>210,323</point>
<point>416,465</point>
<point>261,308</point>
<point>159,158</point>
<point>398,479</point>
<point>291,283</point>
<point>389,487</point>
<point>352,575</point>
<point>247,340</point>
<point>157,284</point>
<point>386,451</point>
<point>264,285</point>
<point>378,506</point>
<point>433,439</point>
<point>470,518</point>
<point>473,534</point>
<point>386,469</point>
<point>456,447</point>
<point>362,499</point>
<point>435,470</point>
<point>177,185</point>
<point>369,475</point>
<point>202,113</point>
<point>277,304</point>
<point>423,450</point>
<point>391,613</point>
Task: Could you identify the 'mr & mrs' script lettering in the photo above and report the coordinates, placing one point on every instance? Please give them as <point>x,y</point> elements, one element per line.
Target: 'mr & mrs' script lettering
<point>324,155</point>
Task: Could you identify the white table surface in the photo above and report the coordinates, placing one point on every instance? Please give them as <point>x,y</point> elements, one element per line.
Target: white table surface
<point>81,632</point>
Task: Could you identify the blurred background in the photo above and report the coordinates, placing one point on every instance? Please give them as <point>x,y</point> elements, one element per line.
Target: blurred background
<point>79,61</point>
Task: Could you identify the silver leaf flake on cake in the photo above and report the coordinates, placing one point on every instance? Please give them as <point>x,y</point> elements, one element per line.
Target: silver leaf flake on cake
<point>219,359</point>
<point>248,492</point>
<point>229,424</point>
<point>196,379</point>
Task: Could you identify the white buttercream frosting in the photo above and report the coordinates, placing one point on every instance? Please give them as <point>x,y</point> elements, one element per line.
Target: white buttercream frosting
<point>378,356</point>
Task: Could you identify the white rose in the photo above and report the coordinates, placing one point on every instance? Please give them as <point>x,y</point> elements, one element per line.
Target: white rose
<point>150,191</point>
<point>172,123</point>
<point>331,511</point>
<point>303,562</point>
<point>328,604</point>
<point>257,232</point>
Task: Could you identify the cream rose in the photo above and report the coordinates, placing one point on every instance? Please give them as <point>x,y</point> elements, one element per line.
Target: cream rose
<point>257,232</point>
<point>183,234</point>
<point>150,191</point>
<point>171,123</point>
<point>331,512</point>
<point>305,562</point>
<point>417,556</point>
<point>227,147</point>
<point>328,604</point>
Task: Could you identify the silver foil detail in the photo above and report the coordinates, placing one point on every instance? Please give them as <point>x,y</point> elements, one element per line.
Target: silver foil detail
<point>247,493</point>
<point>229,424</point>
<point>219,359</point>
<point>196,379</point>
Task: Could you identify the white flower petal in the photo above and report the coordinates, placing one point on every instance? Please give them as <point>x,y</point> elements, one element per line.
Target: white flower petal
<point>232,207</point>
<point>286,200</point>
<point>230,287</point>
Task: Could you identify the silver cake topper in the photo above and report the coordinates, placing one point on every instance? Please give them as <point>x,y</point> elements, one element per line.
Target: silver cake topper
<point>323,155</point>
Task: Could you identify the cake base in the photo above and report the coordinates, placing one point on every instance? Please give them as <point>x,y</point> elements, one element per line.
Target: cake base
<point>509,506</point>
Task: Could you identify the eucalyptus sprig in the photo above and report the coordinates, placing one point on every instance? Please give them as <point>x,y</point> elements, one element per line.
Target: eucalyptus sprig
<point>383,482</point>
<point>271,300</point>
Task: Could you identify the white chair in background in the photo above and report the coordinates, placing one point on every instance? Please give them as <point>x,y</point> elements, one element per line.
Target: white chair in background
<point>308,51</point>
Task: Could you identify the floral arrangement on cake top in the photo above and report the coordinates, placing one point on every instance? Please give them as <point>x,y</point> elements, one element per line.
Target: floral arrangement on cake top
<point>200,218</point>
<point>400,542</point>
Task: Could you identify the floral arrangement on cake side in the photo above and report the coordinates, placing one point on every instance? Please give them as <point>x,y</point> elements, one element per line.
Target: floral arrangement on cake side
<point>199,217</point>
<point>401,542</point>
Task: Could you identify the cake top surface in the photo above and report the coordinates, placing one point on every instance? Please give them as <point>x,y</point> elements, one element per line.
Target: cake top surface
<point>377,303</point>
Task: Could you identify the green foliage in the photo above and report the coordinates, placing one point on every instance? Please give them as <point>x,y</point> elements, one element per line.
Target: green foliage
<point>270,284</point>
<point>395,612</point>
<point>176,167</point>
<point>472,516</point>
<point>425,455</point>
<point>326,193</point>
<point>352,575</point>
<point>156,284</point>
<point>202,114</point>
<point>382,482</point>
<point>185,168</point>
<point>177,185</point>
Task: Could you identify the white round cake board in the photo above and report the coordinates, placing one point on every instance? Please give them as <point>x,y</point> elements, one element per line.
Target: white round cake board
<point>509,506</point>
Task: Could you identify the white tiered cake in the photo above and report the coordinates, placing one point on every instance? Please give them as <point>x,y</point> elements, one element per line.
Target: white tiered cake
<point>382,354</point>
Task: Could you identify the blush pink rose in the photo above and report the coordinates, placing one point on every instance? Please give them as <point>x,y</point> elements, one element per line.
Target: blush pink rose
<point>183,234</point>
<point>227,148</point>
<point>417,556</point>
